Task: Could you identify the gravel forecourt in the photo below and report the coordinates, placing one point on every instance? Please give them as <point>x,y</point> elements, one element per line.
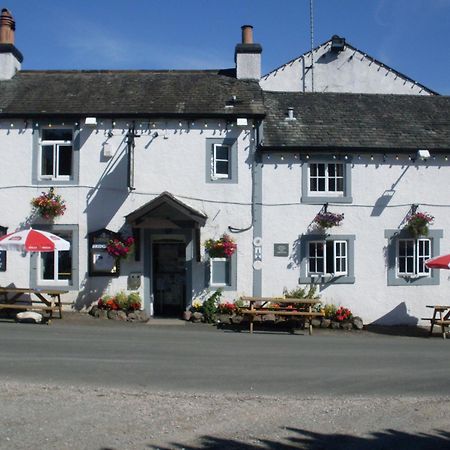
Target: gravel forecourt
<point>71,417</point>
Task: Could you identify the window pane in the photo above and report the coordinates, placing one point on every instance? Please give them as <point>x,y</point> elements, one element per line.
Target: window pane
<point>221,152</point>
<point>339,170</point>
<point>56,134</point>
<point>222,167</point>
<point>47,160</point>
<point>313,170</point>
<point>47,266</point>
<point>410,265</point>
<point>321,184</point>
<point>220,272</point>
<point>65,265</point>
<point>340,185</point>
<point>65,160</point>
<point>332,185</point>
<point>313,184</point>
<point>330,257</point>
<point>331,170</point>
<point>321,169</point>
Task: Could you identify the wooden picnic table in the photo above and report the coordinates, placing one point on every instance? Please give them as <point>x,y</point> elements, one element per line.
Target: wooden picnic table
<point>441,317</point>
<point>47,300</point>
<point>286,307</point>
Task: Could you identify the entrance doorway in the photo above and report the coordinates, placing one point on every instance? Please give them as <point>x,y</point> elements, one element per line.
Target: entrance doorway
<point>169,278</point>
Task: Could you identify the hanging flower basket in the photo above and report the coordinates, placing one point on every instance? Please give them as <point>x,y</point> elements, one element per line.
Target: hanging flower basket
<point>120,247</point>
<point>417,223</point>
<point>221,248</point>
<point>328,219</point>
<point>49,205</point>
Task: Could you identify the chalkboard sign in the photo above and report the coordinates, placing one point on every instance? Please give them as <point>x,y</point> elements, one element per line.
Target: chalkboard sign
<point>101,263</point>
<point>3,231</point>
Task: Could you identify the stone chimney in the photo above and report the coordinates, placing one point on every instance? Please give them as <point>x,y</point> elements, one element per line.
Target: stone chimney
<point>10,57</point>
<point>247,56</point>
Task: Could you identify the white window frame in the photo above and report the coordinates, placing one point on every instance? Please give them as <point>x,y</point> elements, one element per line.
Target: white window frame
<point>419,254</point>
<point>56,144</point>
<point>341,257</point>
<point>327,177</point>
<point>211,283</point>
<point>215,160</point>
<point>55,281</point>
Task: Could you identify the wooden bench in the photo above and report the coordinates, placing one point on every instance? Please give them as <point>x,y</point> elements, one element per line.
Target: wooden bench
<point>49,300</point>
<point>304,307</point>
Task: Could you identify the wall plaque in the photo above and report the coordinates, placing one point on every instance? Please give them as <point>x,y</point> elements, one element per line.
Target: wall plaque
<point>280,249</point>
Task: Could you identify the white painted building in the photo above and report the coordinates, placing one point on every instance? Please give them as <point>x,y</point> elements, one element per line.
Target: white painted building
<point>177,157</point>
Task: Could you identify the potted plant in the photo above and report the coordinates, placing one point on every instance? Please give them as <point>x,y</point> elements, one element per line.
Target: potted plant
<point>224,247</point>
<point>417,223</point>
<point>49,205</point>
<point>120,247</point>
<point>328,219</point>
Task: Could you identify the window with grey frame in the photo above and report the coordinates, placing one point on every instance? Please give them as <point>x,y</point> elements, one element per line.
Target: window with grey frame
<point>223,273</point>
<point>327,258</point>
<point>56,155</point>
<point>406,256</point>
<point>221,160</point>
<point>58,269</point>
<point>326,181</point>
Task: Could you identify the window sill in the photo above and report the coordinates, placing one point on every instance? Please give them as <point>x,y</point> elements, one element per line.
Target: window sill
<point>319,200</point>
<point>327,279</point>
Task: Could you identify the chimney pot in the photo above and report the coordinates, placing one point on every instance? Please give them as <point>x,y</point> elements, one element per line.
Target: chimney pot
<point>247,34</point>
<point>7,27</point>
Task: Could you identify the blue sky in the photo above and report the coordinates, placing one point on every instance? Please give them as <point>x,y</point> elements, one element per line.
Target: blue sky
<point>411,36</point>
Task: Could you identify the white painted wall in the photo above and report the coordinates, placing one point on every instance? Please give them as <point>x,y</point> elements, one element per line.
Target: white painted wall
<point>175,161</point>
<point>347,71</point>
<point>177,164</point>
<point>9,65</point>
<point>369,297</point>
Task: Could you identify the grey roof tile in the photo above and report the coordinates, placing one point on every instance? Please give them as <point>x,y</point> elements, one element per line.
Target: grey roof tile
<point>372,121</point>
<point>120,93</point>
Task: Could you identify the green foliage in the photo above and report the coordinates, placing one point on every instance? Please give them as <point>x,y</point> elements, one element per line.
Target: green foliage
<point>134,301</point>
<point>308,292</point>
<point>330,311</point>
<point>210,306</point>
<point>122,300</point>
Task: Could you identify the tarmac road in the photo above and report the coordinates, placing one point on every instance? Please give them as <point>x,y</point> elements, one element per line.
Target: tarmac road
<point>100,385</point>
<point>199,358</point>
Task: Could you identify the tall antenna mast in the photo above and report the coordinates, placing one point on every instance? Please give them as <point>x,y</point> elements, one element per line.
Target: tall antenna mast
<point>311,32</point>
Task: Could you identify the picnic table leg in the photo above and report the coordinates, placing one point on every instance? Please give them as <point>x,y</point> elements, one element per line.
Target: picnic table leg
<point>444,334</point>
<point>432,322</point>
<point>310,320</point>
<point>58,303</point>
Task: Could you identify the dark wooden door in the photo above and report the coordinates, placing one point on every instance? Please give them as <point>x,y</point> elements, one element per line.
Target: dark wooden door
<point>169,278</point>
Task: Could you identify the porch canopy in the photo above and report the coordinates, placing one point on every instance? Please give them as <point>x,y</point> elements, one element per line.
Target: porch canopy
<point>166,212</point>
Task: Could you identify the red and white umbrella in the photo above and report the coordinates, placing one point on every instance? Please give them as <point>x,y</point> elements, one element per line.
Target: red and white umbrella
<point>439,262</point>
<point>31,240</point>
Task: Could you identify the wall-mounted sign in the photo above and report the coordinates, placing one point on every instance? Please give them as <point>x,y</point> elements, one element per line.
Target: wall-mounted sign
<point>280,249</point>
<point>101,263</point>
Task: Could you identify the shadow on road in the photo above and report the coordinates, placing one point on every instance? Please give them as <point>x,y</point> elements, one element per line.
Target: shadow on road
<point>399,330</point>
<point>308,440</point>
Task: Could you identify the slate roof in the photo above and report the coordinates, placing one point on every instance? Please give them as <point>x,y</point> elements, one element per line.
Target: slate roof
<point>129,93</point>
<point>356,121</point>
